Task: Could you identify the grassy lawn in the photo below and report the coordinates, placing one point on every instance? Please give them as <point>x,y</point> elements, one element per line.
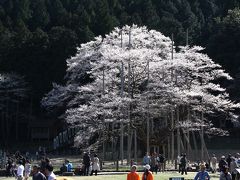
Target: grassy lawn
<point>159,176</point>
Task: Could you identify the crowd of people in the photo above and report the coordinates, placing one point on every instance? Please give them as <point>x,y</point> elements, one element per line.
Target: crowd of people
<point>90,165</point>
<point>228,167</point>
<point>21,168</point>
<point>93,165</point>
<point>156,162</point>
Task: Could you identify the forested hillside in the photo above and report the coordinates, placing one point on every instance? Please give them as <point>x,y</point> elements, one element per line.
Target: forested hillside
<point>37,36</point>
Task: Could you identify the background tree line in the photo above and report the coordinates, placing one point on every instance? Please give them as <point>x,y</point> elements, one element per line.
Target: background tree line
<point>36,37</point>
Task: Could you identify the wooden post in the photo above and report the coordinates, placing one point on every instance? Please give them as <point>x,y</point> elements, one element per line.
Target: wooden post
<point>135,145</point>
<point>129,106</point>
<point>16,121</point>
<point>7,120</point>
<point>148,123</point>
<point>195,146</point>
<point>3,130</point>
<point>122,89</point>
<point>103,81</point>
<point>121,144</point>
<point>202,138</point>
<point>172,47</point>
<point>121,38</point>
<point>113,143</point>
<point>169,148</point>
<point>188,135</point>
<point>178,133</point>
<point>172,58</point>
<point>103,156</point>
<point>172,127</point>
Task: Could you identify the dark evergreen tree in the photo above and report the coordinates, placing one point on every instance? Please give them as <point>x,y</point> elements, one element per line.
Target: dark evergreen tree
<point>40,16</point>
<point>224,42</point>
<point>103,22</point>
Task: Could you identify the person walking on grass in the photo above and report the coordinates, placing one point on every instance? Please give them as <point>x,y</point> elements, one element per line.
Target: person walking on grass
<point>28,169</point>
<point>133,175</point>
<point>86,162</point>
<point>225,174</point>
<point>202,174</point>
<point>20,171</point>
<point>49,172</point>
<point>146,159</point>
<point>183,162</point>
<point>95,165</point>
<point>147,174</point>
<point>222,164</point>
<point>214,163</point>
<point>37,175</point>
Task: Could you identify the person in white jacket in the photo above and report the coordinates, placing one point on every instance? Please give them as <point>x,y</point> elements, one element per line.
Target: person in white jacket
<point>20,171</point>
<point>28,169</point>
<point>95,165</point>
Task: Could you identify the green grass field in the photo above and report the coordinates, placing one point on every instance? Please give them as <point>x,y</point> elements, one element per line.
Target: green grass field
<point>159,176</point>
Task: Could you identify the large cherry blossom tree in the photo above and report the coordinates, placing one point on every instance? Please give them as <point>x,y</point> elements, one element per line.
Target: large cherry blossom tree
<point>134,74</point>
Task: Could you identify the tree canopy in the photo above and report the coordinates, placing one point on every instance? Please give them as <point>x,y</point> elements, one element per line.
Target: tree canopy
<point>153,76</point>
<point>36,37</point>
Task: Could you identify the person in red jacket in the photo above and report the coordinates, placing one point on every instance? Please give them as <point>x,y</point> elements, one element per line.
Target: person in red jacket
<point>147,175</point>
<point>133,175</point>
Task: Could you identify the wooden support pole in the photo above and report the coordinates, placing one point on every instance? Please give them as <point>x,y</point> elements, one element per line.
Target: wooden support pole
<point>121,123</point>
<point>135,145</point>
<point>178,133</point>
<point>172,141</point>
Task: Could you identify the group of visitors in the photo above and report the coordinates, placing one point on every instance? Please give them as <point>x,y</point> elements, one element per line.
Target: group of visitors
<point>21,168</point>
<point>227,168</point>
<point>155,161</point>
<point>147,174</point>
<point>17,164</point>
<point>66,167</point>
<point>182,164</point>
<point>90,164</point>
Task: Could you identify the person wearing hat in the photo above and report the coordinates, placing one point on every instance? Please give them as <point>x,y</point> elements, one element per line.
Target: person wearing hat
<point>225,174</point>
<point>133,175</point>
<point>147,175</point>
<point>202,174</point>
<point>222,163</point>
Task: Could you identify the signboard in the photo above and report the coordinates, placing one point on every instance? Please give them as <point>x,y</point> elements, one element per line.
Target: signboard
<point>176,178</point>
